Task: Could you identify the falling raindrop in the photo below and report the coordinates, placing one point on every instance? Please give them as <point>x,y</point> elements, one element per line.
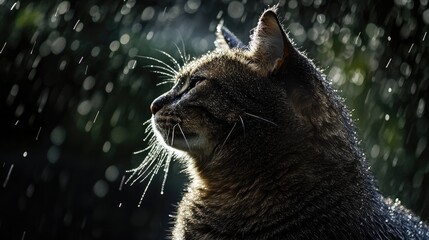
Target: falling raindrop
<point>96,115</point>
<point>8,176</point>
<point>75,25</point>
<point>411,47</point>
<point>32,48</point>
<point>15,5</point>
<point>4,45</point>
<point>387,65</point>
<point>122,183</point>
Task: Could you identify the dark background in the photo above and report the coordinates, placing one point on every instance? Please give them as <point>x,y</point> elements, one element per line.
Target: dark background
<point>74,95</point>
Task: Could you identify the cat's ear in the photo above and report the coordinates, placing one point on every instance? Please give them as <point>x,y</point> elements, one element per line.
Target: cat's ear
<point>225,39</point>
<point>269,43</point>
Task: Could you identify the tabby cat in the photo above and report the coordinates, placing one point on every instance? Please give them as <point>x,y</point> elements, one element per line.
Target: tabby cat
<point>270,148</point>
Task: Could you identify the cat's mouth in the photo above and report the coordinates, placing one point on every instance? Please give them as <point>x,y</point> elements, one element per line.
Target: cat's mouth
<point>174,135</point>
<point>180,140</point>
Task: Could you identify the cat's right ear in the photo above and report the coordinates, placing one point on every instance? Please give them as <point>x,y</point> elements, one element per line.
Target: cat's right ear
<point>225,39</point>
<point>269,43</point>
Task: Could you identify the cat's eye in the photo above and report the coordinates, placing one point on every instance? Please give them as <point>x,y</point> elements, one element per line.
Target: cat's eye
<point>184,86</point>
<point>195,80</point>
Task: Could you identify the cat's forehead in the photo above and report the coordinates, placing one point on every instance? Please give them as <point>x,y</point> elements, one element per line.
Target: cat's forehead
<point>219,62</point>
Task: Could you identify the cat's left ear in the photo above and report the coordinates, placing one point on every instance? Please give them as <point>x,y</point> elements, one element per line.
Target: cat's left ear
<point>269,43</point>
<point>225,39</point>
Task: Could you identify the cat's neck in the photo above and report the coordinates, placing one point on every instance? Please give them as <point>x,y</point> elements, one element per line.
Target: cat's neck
<point>271,164</point>
<point>285,178</point>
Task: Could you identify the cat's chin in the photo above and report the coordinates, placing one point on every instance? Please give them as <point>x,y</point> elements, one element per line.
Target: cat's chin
<point>186,144</point>
<point>176,137</point>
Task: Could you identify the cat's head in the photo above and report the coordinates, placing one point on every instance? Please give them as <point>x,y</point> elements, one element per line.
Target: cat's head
<point>240,96</point>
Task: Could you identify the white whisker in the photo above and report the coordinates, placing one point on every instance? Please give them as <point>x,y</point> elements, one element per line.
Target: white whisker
<point>184,61</point>
<point>149,170</point>
<point>261,118</point>
<point>158,166</point>
<point>166,73</point>
<point>187,57</point>
<point>165,82</point>
<point>167,70</point>
<point>242,124</point>
<point>172,136</point>
<point>144,192</point>
<point>148,136</point>
<point>168,133</point>
<point>146,163</point>
<point>142,150</point>
<point>142,170</point>
<point>159,61</point>
<point>227,137</point>
<point>183,134</point>
<point>174,61</point>
<point>159,159</point>
<point>166,168</point>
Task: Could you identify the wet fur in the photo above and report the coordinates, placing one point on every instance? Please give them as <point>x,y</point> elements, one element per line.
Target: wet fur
<point>271,150</point>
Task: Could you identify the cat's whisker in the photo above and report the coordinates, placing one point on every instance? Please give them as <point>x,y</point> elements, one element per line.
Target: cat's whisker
<point>159,61</point>
<point>146,167</point>
<point>148,129</point>
<point>184,49</point>
<point>142,150</point>
<point>142,165</point>
<point>166,72</point>
<point>182,56</point>
<point>260,118</point>
<point>166,168</point>
<point>183,134</point>
<point>145,174</point>
<point>164,82</point>
<point>148,183</point>
<point>139,171</point>
<point>168,133</point>
<point>242,124</point>
<point>172,59</point>
<point>168,78</point>
<point>172,136</point>
<point>149,134</point>
<point>155,151</point>
<point>134,173</point>
<point>227,137</point>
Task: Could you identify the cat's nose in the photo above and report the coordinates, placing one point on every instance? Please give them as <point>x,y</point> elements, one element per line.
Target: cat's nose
<point>158,103</point>
<point>155,107</point>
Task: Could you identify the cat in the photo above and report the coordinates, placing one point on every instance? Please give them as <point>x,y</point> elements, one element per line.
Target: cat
<point>270,148</point>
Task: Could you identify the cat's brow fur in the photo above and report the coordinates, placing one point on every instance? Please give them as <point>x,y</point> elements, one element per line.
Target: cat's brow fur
<point>271,149</point>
